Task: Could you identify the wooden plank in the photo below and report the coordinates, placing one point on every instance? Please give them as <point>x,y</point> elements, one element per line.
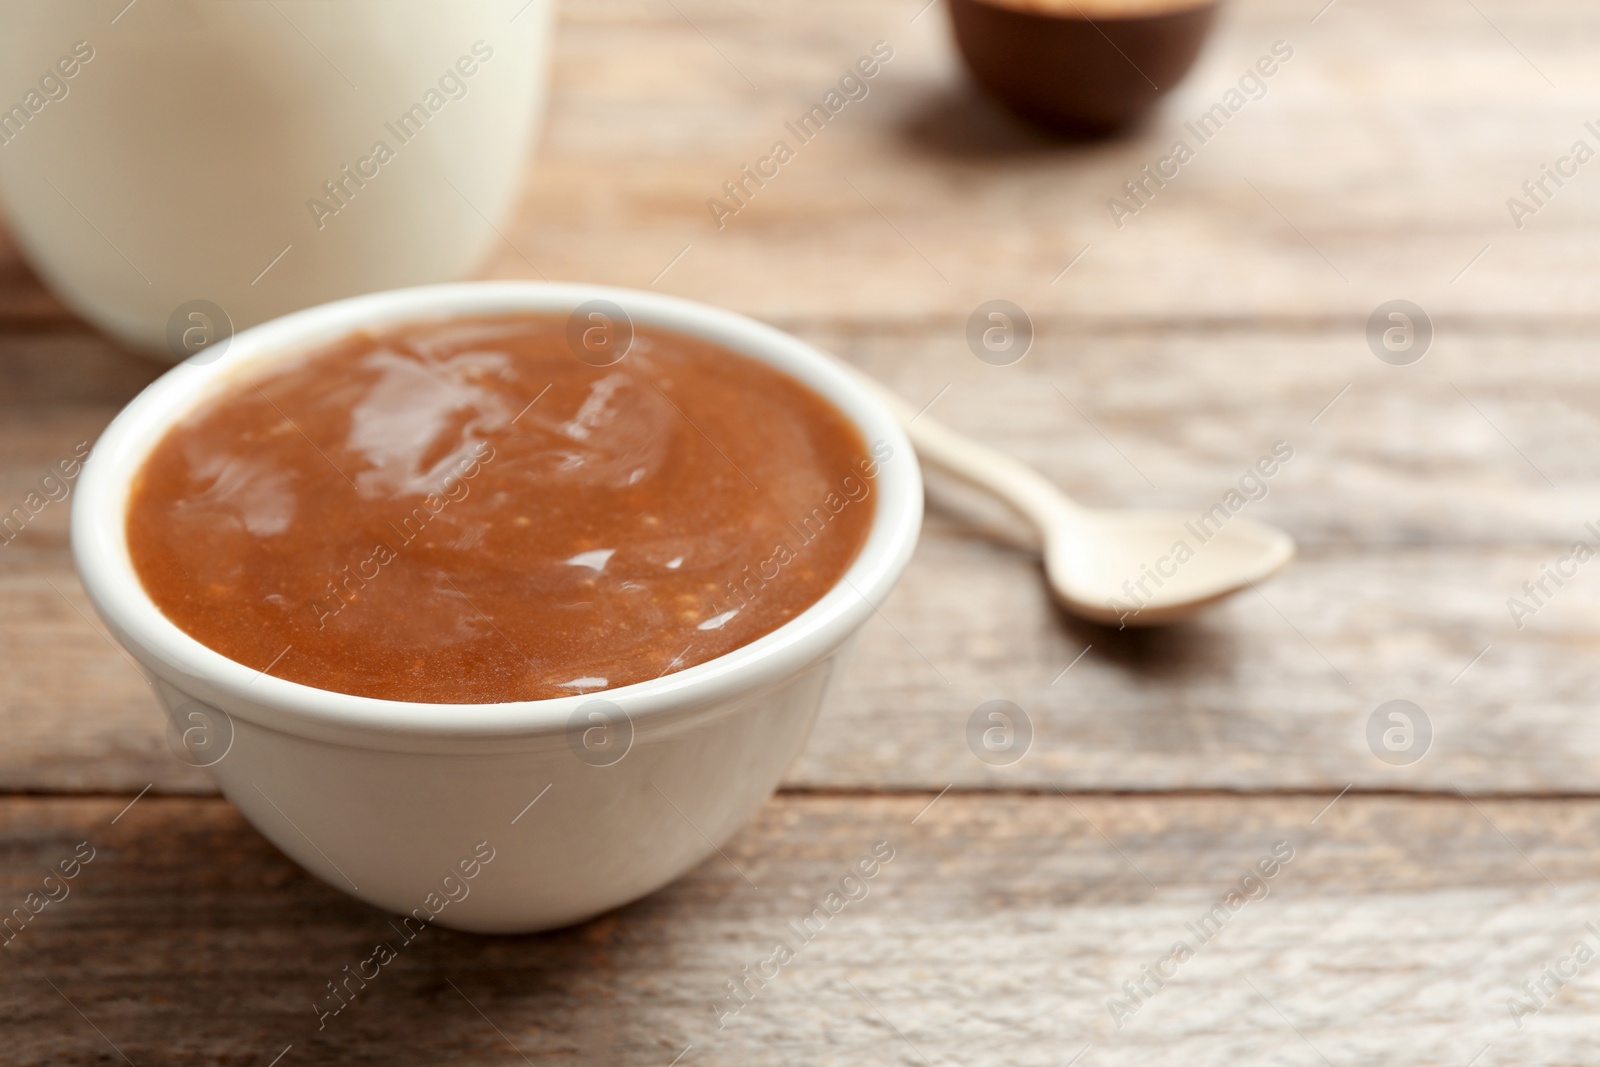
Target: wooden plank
<point>1370,180</point>
<point>1418,499</point>
<point>1335,191</point>
<point>1397,931</point>
<point>1269,692</point>
<point>1485,441</point>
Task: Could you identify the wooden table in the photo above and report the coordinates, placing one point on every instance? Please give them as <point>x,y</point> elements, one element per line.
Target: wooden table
<point>1229,313</point>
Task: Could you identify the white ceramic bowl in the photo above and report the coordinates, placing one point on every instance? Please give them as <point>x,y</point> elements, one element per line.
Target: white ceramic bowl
<point>393,802</point>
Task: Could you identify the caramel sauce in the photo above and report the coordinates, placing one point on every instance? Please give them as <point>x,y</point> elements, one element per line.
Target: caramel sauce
<point>465,512</point>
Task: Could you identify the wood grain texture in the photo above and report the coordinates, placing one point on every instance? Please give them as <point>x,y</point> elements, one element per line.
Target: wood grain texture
<point>1418,500</point>
<point>1224,316</point>
<point>1396,933</point>
<point>1353,180</point>
<point>1371,178</point>
<point>1270,692</point>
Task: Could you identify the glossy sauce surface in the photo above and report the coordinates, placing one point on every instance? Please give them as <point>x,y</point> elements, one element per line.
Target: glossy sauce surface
<point>465,512</point>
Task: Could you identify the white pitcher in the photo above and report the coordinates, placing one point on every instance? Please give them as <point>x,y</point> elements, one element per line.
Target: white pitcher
<point>175,169</point>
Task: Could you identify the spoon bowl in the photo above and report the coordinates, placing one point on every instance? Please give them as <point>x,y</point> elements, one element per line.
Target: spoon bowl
<point>1151,568</point>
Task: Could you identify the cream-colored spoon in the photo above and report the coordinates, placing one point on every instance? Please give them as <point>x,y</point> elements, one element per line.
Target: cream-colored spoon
<point>1121,568</point>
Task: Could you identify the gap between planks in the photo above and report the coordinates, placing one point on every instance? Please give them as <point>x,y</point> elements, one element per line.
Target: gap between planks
<point>970,792</point>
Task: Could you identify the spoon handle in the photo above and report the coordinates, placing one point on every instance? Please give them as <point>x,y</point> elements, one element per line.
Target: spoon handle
<point>943,449</point>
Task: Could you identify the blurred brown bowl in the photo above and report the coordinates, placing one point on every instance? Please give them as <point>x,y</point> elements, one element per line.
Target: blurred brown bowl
<point>1084,69</point>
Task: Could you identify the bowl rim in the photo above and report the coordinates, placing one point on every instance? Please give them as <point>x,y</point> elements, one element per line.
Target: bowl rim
<point>99,543</point>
